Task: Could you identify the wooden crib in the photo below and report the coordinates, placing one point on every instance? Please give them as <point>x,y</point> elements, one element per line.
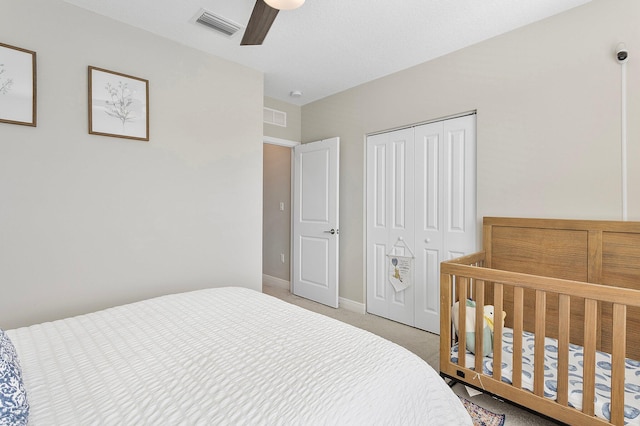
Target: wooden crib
<point>573,281</point>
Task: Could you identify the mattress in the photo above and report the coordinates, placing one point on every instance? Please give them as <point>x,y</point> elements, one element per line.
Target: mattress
<point>602,378</point>
<point>224,356</point>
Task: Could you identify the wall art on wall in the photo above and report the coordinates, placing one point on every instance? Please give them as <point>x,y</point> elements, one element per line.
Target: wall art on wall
<point>118,105</point>
<point>17,85</point>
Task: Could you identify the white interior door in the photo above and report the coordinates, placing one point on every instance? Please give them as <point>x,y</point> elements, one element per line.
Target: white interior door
<point>445,207</point>
<point>390,217</point>
<point>315,234</point>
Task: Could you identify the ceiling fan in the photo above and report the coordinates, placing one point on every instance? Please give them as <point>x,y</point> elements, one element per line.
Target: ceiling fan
<point>262,17</point>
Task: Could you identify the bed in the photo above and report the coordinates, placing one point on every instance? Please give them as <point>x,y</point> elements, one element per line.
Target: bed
<point>570,338</point>
<point>220,356</point>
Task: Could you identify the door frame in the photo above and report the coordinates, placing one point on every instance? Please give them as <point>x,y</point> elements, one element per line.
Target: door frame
<point>277,141</point>
<point>289,144</point>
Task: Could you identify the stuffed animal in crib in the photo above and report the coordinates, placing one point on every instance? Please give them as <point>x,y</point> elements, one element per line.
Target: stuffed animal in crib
<point>470,323</point>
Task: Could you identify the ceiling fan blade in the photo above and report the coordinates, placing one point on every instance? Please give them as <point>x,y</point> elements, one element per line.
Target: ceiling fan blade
<point>261,19</point>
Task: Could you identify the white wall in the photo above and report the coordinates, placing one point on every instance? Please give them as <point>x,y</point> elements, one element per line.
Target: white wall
<point>548,124</point>
<point>88,221</point>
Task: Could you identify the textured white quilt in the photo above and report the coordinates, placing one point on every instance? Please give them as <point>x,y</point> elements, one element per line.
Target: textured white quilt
<point>224,356</point>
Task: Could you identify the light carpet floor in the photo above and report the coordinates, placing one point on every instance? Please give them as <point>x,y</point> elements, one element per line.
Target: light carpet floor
<point>424,344</point>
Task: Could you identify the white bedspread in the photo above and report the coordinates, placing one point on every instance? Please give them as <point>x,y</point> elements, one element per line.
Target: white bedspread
<point>224,356</point>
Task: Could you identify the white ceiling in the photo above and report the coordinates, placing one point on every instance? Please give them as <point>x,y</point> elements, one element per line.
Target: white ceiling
<point>327,46</point>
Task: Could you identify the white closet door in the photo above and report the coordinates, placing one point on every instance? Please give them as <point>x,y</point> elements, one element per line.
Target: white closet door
<point>429,223</point>
<point>460,183</point>
<point>445,207</point>
<point>421,187</point>
<point>390,216</point>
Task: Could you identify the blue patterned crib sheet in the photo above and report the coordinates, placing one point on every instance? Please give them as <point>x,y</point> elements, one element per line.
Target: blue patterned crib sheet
<point>602,403</point>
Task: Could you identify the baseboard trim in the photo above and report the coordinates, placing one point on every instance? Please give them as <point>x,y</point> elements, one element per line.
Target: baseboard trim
<point>276,282</point>
<point>346,304</point>
<point>352,306</point>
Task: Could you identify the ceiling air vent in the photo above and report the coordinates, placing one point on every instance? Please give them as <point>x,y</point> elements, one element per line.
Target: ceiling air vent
<point>273,116</point>
<point>217,23</point>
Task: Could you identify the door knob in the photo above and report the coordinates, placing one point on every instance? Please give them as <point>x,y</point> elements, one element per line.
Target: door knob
<point>332,231</point>
<point>428,240</point>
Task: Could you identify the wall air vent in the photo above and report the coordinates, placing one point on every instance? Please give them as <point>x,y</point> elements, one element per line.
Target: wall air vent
<point>273,116</point>
<point>217,23</point>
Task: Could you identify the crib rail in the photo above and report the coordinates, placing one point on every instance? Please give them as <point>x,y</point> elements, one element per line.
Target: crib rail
<point>466,277</point>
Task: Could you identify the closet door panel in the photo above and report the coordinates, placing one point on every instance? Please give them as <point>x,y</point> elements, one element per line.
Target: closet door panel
<point>379,273</point>
<point>456,181</point>
<point>379,188</point>
<point>430,196</point>
<point>398,184</point>
<point>460,181</point>
<point>428,191</point>
<point>376,246</point>
<point>402,211</point>
<point>390,219</point>
<point>428,303</point>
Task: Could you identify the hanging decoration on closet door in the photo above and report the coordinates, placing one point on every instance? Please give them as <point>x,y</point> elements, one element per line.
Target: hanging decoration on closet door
<point>400,268</point>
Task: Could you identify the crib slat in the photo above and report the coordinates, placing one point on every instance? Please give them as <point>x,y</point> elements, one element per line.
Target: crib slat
<point>479,331</point>
<point>518,301</point>
<point>446,325</point>
<point>617,361</point>
<point>589,365</point>
<point>564,309</point>
<point>538,363</point>
<point>498,293</point>
<point>462,286</point>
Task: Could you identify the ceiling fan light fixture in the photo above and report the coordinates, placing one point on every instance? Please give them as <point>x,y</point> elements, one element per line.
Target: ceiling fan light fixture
<point>284,4</point>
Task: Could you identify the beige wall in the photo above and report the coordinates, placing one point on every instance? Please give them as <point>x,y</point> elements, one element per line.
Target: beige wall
<point>276,234</point>
<point>548,125</point>
<point>293,131</point>
<point>276,227</point>
<point>90,221</point>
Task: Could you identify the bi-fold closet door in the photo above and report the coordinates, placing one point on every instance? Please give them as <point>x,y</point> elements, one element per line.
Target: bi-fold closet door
<point>421,201</point>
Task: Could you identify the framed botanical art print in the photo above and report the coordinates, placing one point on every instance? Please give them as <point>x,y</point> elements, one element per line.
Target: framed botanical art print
<point>17,85</point>
<point>118,105</point>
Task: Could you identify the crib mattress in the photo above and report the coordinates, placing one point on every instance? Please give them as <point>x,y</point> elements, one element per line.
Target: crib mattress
<point>603,374</point>
<point>224,356</point>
